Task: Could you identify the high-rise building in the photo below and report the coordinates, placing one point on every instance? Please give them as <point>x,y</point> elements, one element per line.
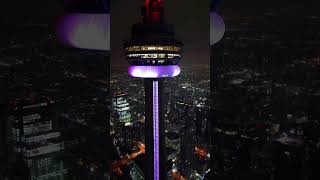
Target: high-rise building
<point>122,108</point>
<point>153,54</point>
<point>34,141</point>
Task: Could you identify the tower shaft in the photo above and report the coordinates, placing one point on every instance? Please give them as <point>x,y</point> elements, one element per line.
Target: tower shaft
<point>154,139</point>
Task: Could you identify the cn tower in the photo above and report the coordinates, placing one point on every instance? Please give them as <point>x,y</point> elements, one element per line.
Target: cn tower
<point>153,54</point>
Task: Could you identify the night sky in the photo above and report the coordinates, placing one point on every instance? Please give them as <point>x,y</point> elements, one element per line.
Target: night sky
<point>190,20</point>
<point>20,12</point>
<point>252,8</point>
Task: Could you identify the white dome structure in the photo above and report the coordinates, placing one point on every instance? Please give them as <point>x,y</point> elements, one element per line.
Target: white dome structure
<point>85,31</point>
<point>217,28</point>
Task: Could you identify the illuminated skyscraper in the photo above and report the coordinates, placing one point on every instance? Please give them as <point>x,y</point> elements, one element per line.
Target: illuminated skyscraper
<point>34,140</point>
<point>153,54</point>
<point>122,108</point>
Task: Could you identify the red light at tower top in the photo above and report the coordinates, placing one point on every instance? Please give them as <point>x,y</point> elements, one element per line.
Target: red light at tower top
<point>152,12</point>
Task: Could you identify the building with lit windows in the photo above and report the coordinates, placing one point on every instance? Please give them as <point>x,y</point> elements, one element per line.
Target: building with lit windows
<point>122,108</point>
<point>153,54</point>
<point>34,141</point>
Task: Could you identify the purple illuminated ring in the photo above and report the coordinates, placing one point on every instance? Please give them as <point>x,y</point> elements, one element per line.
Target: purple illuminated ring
<point>154,71</point>
<point>85,31</point>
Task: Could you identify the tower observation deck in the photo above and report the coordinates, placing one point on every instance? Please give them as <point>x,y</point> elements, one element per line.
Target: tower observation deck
<point>153,54</point>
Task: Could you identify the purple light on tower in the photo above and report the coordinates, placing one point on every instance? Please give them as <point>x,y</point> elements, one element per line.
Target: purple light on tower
<point>154,71</point>
<point>85,31</point>
<point>155,130</point>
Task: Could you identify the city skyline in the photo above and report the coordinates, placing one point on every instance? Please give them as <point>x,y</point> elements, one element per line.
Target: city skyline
<point>243,108</point>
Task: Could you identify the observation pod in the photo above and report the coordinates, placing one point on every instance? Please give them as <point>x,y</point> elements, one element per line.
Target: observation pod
<point>86,25</point>
<point>153,52</point>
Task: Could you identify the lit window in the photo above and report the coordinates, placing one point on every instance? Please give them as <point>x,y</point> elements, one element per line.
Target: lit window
<point>161,55</point>
<point>152,48</point>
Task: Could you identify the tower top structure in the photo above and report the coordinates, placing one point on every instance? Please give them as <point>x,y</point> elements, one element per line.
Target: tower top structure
<point>152,12</point>
<point>153,51</point>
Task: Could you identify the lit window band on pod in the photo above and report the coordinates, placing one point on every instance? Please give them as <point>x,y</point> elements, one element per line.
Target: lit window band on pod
<point>157,59</point>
